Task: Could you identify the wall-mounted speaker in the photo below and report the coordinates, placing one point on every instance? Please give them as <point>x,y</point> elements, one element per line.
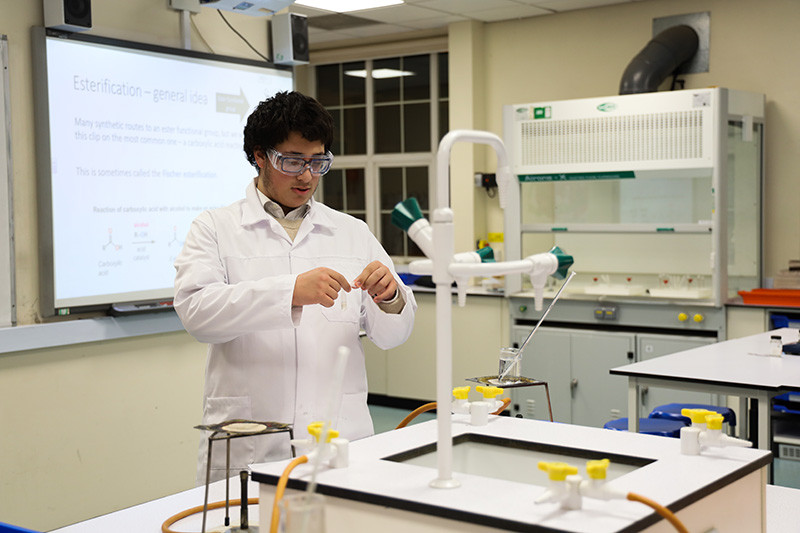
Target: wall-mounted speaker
<point>69,15</point>
<point>289,39</point>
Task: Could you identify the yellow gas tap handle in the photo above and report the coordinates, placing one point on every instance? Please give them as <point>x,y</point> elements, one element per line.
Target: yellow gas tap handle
<point>697,416</point>
<point>597,469</point>
<point>460,393</point>
<point>714,421</point>
<point>315,430</point>
<point>557,471</point>
<point>489,393</point>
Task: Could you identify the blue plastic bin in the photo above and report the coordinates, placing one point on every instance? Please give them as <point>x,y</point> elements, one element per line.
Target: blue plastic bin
<point>788,402</point>
<point>651,426</point>
<point>8,528</point>
<point>672,411</point>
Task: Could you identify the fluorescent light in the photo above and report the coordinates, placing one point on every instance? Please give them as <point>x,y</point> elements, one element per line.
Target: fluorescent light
<point>343,6</point>
<point>379,73</point>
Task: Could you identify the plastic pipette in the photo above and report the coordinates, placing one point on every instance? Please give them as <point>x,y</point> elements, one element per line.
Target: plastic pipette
<point>530,335</point>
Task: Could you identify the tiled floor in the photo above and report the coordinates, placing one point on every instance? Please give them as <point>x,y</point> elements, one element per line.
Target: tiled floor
<point>387,418</point>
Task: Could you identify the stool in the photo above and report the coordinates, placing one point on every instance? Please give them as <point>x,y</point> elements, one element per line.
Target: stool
<point>651,426</point>
<point>672,411</point>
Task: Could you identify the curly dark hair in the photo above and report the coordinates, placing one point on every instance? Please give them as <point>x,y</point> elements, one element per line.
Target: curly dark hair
<point>276,117</point>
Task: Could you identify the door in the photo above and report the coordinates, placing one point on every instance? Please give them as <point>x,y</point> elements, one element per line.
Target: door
<point>546,358</point>
<point>650,346</point>
<point>597,396</point>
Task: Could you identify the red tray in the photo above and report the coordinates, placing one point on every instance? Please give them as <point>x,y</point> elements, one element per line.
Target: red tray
<point>781,297</point>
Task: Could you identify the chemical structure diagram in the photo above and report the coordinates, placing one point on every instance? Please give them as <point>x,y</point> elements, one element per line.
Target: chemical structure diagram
<point>110,244</point>
<point>175,240</point>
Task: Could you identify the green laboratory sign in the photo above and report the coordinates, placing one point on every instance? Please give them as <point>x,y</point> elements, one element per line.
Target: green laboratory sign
<point>542,112</point>
<point>577,176</point>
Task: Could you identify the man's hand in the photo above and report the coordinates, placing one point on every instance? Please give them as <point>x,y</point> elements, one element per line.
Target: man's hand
<point>318,286</point>
<point>377,280</point>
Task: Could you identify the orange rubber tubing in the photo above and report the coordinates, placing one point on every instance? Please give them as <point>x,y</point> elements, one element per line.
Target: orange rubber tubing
<point>280,488</point>
<point>503,407</point>
<point>668,515</point>
<point>413,414</point>
<point>165,527</point>
<point>431,406</point>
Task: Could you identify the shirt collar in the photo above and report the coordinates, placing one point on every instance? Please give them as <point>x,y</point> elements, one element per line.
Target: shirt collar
<point>253,211</point>
<point>272,207</point>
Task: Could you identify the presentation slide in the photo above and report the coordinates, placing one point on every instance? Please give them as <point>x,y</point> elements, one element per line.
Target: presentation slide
<point>141,142</point>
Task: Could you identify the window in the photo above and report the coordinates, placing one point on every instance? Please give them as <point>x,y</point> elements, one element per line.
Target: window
<point>390,115</point>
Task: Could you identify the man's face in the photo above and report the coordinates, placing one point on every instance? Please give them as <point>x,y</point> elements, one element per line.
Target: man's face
<point>290,191</point>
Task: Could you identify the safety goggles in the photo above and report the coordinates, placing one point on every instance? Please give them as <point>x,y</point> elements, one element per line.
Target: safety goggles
<point>296,165</point>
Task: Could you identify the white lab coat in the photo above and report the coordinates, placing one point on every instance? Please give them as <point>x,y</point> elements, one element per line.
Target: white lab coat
<point>268,361</point>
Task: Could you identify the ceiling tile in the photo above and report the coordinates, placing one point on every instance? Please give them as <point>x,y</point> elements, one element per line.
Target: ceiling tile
<point>570,5</point>
<point>339,22</point>
<point>508,13</point>
<point>462,7</point>
<point>434,22</point>
<point>307,11</point>
<point>431,14</point>
<point>377,29</point>
<point>395,14</point>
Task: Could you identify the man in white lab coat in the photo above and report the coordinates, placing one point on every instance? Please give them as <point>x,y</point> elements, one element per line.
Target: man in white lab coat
<point>277,282</point>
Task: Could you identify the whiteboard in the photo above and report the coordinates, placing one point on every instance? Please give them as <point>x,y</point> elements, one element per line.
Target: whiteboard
<point>7,308</point>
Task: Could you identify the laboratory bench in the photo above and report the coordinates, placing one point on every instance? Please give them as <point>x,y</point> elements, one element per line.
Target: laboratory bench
<point>781,504</point>
<point>386,485</point>
<point>742,368</point>
<point>387,482</point>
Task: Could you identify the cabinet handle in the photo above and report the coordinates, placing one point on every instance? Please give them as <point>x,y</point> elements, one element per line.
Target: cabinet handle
<point>573,384</point>
<point>643,392</point>
<point>630,356</point>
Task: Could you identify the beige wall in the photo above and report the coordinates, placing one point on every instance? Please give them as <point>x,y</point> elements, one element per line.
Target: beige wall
<point>91,428</point>
<point>754,46</point>
<point>97,427</point>
<point>100,426</point>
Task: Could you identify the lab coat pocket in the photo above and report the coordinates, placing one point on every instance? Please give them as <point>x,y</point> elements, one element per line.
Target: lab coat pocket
<point>226,408</point>
<point>346,308</point>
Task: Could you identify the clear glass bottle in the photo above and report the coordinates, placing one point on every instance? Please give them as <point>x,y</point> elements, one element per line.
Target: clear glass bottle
<point>775,345</point>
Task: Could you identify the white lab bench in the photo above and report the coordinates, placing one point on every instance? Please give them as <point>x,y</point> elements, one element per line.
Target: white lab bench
<point>723,488</point>
<point>738,367</point>
<point>781,502</point>
<point>148,517</point>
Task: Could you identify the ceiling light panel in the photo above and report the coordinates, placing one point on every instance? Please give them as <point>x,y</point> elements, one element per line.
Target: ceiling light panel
<point>345,6</point>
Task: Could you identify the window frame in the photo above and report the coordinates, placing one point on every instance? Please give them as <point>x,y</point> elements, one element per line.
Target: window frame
<point>371,162</point>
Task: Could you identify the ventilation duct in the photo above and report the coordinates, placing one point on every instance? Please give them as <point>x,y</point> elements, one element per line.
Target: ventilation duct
<point>660,58</point>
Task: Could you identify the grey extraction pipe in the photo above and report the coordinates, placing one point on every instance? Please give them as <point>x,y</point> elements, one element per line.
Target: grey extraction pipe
<point>658,59</point>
